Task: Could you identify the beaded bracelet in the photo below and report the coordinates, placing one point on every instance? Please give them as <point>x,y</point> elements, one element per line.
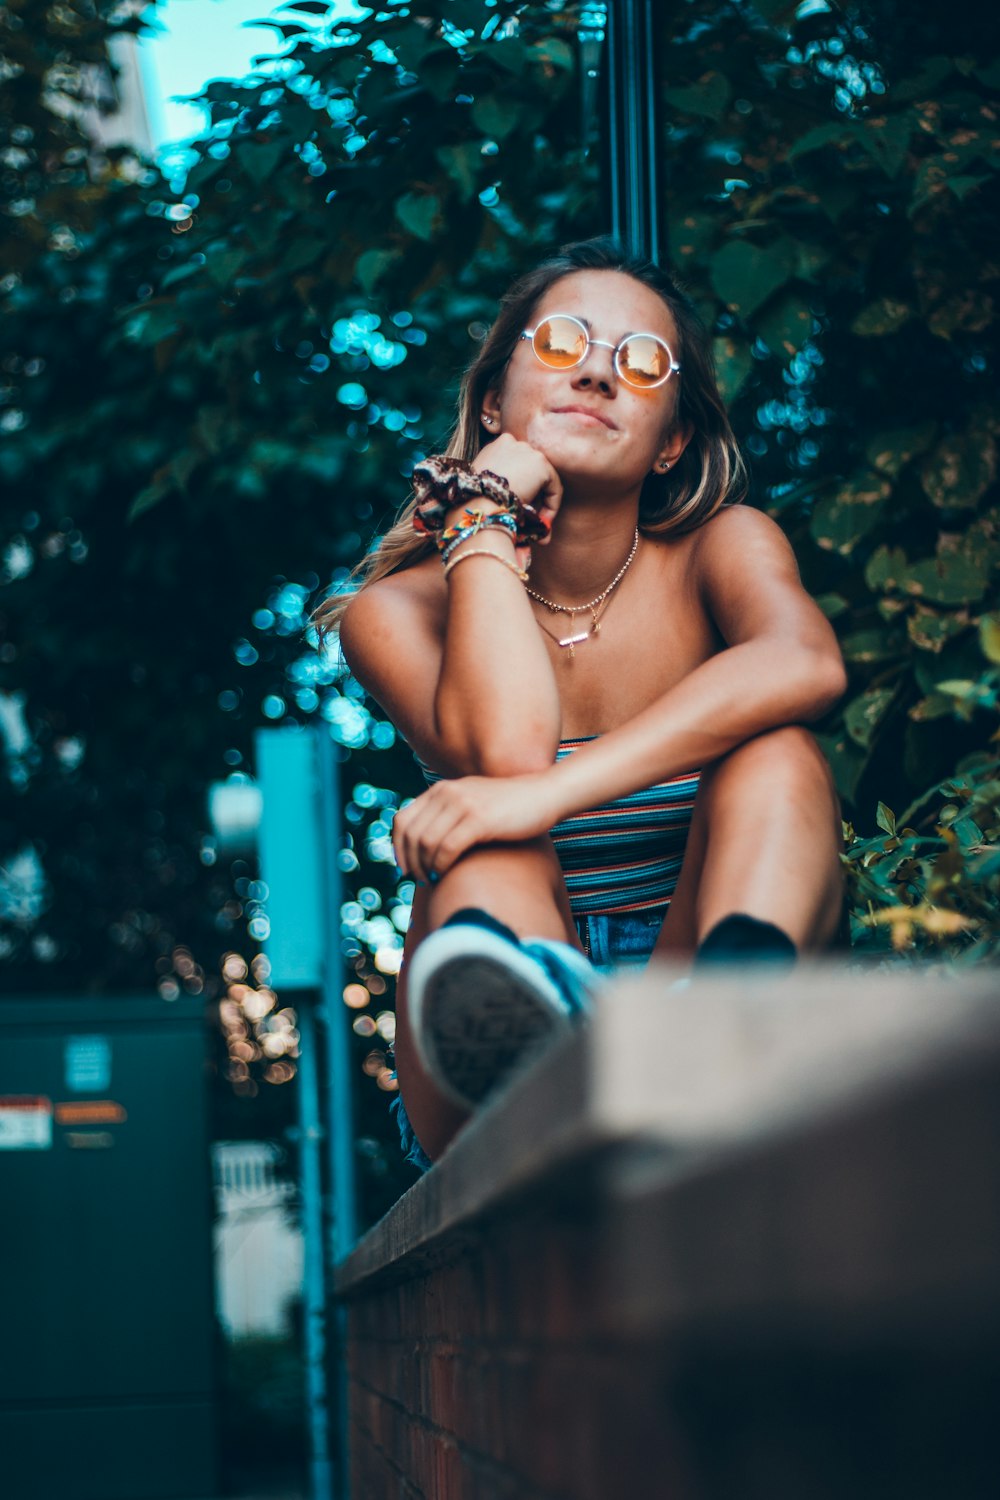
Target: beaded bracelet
<point>441,483</point>
<point>485,552</point>
<point>469,523</point>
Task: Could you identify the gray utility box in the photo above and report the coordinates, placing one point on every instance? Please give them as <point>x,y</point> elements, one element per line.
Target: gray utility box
<point>106,1379</point>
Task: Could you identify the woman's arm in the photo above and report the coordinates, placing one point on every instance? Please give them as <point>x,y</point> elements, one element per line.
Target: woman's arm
<point>781,665</point>
<point>479,696</point>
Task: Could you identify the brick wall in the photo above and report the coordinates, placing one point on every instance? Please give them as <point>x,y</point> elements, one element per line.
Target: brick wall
<point>784,1287</point>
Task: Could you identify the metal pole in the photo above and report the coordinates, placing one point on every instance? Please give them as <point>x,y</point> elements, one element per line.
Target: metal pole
<point>340,1078</point>
<point>342,1219</point>
<point>632,135</point>
<point>314,1278</point>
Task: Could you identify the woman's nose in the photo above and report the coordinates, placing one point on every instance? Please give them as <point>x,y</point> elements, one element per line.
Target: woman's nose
<point>597,368</point>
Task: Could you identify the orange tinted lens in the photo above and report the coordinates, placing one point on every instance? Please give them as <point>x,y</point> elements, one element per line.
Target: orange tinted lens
<point>643,360</point>
<point>560,343</point>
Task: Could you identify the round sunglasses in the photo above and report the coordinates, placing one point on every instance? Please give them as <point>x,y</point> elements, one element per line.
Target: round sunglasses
<point>642,360</point>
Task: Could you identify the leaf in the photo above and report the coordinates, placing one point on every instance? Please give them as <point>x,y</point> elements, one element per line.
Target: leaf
<point>552,52</point>
<point>886,315</point>
<point>886,138</point>
<point>864,714</point>
<point>933,706</point>
<point>371,265</point>
<point>304,252</point>
<point>885,819</point>
<point>926,82</point>
<point>418,212</point>
<point>745,275</point>
<point>839,521</point>
<point>709,96</point>
<point>989,637</point>
<point>931,631</point>
<point>733,363</point>
<point>964,185</point>
<point>867,646</point>
<point>412,43</point>
<point>940,922</point>
<point>970,311</point>
<point>890,452</point>
<point>786,323</point>
<point>495,116</point>
<point>960,470</point>
<point>885,569</point>
<point>776,11</point>
<point>832,605</point>
<point>846,761</point>
<point>834,134</point>
<point>961,569</point>
<point>439,70</point>
<point>462,164</point>
<point>466,15</point>
<point>690,235</point>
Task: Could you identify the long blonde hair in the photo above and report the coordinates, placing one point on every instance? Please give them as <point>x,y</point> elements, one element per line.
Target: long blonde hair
<point>709,474</point>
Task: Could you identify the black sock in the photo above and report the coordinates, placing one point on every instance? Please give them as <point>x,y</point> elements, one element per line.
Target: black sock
<point>474,916</point>
<point>742,939</point>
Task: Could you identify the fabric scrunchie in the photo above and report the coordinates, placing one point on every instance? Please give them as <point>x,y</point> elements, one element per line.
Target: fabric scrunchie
<point>441,483</point>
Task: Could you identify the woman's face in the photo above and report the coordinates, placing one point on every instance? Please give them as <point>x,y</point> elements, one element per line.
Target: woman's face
<point>589,423</point>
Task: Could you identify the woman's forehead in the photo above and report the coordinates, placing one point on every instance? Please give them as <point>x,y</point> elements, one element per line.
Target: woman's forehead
<point>612,303</point>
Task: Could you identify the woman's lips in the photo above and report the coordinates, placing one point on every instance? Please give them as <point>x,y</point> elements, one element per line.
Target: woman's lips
<point>587,413</point>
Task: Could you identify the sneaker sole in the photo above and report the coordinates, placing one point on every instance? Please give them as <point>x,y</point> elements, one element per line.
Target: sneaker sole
<point>479,1008</point>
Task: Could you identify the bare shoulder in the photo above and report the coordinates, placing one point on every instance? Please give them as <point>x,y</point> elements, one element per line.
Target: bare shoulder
<point>742,543</point>
<point>392,635</point>
<point>748,577</point>
<point>401,608</point>
<point>737,527</point>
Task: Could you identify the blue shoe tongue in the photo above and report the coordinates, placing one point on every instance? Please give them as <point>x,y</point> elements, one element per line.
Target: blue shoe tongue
<point>569,982</point>
<point>474,916</point>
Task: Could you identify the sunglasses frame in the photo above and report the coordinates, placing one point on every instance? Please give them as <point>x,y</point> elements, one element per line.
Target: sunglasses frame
<point>674,367</point>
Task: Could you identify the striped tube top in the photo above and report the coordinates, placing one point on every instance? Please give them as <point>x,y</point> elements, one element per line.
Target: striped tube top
<point>626,854</point>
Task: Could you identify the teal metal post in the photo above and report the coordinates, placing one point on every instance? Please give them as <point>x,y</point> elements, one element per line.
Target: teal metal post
<point>299,842</point>
<point>342,1218</point>
<point>633,159</point>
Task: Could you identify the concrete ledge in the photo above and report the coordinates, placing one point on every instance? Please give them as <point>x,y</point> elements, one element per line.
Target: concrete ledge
<point>679,1081</point>
<point>737,1240</point>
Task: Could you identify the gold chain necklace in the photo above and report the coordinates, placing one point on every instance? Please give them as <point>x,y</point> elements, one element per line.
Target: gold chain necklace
<point>596,606</point>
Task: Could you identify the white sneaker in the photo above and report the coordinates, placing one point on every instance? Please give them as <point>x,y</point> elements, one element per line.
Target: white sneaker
<point>481,1004</point>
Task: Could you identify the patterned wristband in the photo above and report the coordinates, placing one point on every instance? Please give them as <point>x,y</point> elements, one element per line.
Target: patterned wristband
<point>469,523</point>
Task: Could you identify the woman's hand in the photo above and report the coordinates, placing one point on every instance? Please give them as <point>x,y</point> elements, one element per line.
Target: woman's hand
<point>431,833</point>
<point>527,471</point>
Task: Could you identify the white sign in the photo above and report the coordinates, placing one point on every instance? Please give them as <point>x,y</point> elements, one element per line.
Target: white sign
<point>88,1064</point>
<point>25,1123</point>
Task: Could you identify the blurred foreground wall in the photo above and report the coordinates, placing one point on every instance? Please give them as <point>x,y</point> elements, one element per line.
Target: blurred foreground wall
<point>106,1384</point>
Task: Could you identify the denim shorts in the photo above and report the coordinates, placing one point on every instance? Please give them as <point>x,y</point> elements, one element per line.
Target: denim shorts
<point>612,940</point>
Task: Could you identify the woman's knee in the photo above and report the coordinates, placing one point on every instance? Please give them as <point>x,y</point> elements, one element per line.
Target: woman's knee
<point>520,883</point>
<point>786,760</point>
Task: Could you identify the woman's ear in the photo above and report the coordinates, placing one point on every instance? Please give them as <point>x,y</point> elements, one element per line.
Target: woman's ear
<point>676,441</point>
<point>489,412</point>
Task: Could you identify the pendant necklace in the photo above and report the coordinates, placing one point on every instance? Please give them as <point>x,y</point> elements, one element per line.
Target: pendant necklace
<point>595,607</point>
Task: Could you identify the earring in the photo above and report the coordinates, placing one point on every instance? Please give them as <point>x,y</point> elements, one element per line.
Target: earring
<point>664,464</point>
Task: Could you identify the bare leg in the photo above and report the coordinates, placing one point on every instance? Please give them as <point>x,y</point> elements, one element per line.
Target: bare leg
<point>765,840</point>
<point>520,884</point>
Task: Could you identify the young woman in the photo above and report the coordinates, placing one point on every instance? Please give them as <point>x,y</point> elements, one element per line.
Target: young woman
<point>614,739</point>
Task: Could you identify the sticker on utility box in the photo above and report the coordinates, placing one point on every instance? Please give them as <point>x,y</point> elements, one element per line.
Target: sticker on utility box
<point>25,1122</point>
<point>88,1064</point>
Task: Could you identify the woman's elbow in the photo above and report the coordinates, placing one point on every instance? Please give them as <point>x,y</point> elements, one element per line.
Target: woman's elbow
<point>515,759</point>
<point>495,751</point>
<point>826,679</point>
